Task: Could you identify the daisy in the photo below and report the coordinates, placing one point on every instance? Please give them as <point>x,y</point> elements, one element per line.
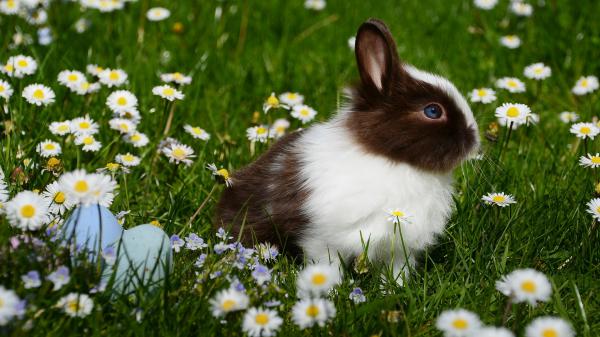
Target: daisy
<point>10,7</point>
<point>258,133</point>
<point>84,87</point>
<point>568,117</point>
<point>315,5</point>
<point>83,126</point>
<point>525,285</point>
<point>121,100</point>
<point>491,331</point>
<point>27,211</point>
<point>303,113</point>
<point>221,175</point>
<point>272,103</point>
<point>291,98</point>
<point>176,77</point>
<point>308,312</point>
<point>261,322</point>
<point>38,94</point>
<point>537,71</point>
<point>76,305</point>
<point>584,130</point>
<point>585,85</point>
<point>83,188</point>
<point>279,128</point>
<point>94,69</point>
<point>5,90</point>
<point>31,280</point>
<point>514,113</point>
<point>60,128</point>
<point>127,159</point>
<point>483,95</point>
<point>512,84</point>
<point>90,144</point>
<point>548,326</point>
<point>131,114</point>
<point>179,153</point>
<point>521,8</point>
<point>112,77</point>
<point>122,125</point>
<point>167,92</point>
<point>357,296</point>
<point>499,199</point>
<point>594,208</point>
<point>137,139</point>
<point>196,132</point>
<point>9,302</point>
<point>485,4</point>
<point>318,279</point>
<point>226,301</point>
<point>397,216</point>
<point>157,14</point>
<point>48,148</point>
<point>70,78</point>
<point>510,41</point>
<point>592,161</point>
<point>19,66</point>
<point>458,323</point>
<point>56,198</point>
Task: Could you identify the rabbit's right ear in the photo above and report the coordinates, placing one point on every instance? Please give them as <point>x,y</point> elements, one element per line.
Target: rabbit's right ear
<point>376,56</point>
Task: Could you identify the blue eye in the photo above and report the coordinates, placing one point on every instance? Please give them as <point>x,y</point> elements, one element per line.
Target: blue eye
<point>433,111</point>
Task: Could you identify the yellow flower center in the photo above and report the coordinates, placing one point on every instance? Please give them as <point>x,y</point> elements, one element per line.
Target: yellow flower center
<point>598,209</point>
<point>223,173</point>
<point>113,75</point>
<point>280,129</point>
<point>228,305</point>
<point>128,158</point>
<point>584,83</point>
<point>261,131</point>
<point>72,306</point>
<point>177,76</point>
<point>22,63</point>
<point>498,198</point>
<point>550,332</point>
<point>121,101</point>
<point>2,88</point>
<point>81,186</point>
<point>272,101</point>
<point>168,92</point>
<point>512,84</point>
<point>112,166</point>
<point>319,279</point>
<point>585,130</point>
<point>52,162</point>
<point>72,78</point>
<point>38,94</point>
<point>63,128</point>
<point>11,4</point>
<point>304,112</point>
<point>49,146</point>
<point>59,198</point>
<point>136,138</point>
<point>460,324</point>
<point>197,131</point>
<point>88,140</point>
<point>9,68</point>
<point>27,211</point>
<point>538,71</point>
<point>84,125</point>
<point>261,319</point>
<point>85,85</point>
<point>481,92</point>
<point>528,286</point>
<point>312,311</point>
<point>398,213</point>
<point>178,153</point>
<point>512,112</point>
<point>292,96</point>
<point>124,127</point>
<point>595,160</point>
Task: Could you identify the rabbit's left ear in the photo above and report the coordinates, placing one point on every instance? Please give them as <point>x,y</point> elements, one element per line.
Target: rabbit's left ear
<point>376,57</point>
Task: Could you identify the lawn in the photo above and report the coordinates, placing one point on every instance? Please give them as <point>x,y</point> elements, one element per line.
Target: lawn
<point>237,53</point>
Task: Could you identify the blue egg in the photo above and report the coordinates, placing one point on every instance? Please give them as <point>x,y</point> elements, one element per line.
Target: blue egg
<point>92,226</point>
<point>144,258</point>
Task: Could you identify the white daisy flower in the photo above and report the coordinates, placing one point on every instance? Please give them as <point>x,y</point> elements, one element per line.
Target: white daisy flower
<point>521,8</point>
<point>510,41</point>
<point>458,323</point>
<point>131,114</point>
<point>3,191</point>
<point>127,160</point>
<point>6,90</point>
<point>312,311</point>
<point>499,199</point>
<point>48,148</point>
<point>592,161</point>
<point>525,285</point>
<point>19,66</point>
<point>221,175</point>
<point>94,69</point>
<point>258,133</point>
<point>303,113</point>
<point>397,216</point>
<point>167,92</point>
<point>90,144</point>
<point>260,322</point>
<point>76,305</point>
<point>585,85</point>
<point>485,4</point>
<point>315,5</point>
<point>514,113</point>
<point>491,331</point>
<point>60,128</point>
<point>9,302</point>
<point>83,188</point>
<point>84,126</point>
<point>537,71</point>
<point>176,77</point>
<point>179,153</point>
<point>38,94</point>
<point>121,100</point>
<point>291,98</point>
<point>584,130</point>
<point>84,87</point>
<point>157,14</point>
<point>112,77</point>
<point>279,128</point>
<point>56,198</point>
<point>137,139</point>
<point>196,132</point>
<point>318,279</point>
<point>27,211</point>
<point>483,95</point>
<point>10,7</point>
<point>568,117</point>
<point>70,78</point>
<point>272,102</point>
<point>548,326</point>
<point>594,208</point>
<point>512,84</point>
<point>226,301</point>
<point>124,126</point>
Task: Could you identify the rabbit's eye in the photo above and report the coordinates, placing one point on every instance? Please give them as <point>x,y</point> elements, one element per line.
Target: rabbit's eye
<point>433,111</point>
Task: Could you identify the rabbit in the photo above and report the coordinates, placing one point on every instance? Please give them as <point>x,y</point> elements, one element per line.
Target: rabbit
<point>324,192</point>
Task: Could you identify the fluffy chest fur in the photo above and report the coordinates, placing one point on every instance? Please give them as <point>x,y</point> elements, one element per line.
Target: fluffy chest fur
<point>351,192</point>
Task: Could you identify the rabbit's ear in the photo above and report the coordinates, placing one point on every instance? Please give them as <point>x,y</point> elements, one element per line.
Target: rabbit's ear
<point>376,57</point>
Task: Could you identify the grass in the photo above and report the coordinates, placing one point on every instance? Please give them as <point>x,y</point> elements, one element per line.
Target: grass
<point>259,47</point>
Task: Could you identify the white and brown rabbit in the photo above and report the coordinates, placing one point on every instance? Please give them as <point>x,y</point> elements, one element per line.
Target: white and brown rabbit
<point>325,192</point>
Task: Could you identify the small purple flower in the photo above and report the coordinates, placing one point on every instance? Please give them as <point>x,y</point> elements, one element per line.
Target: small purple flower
<point>272,303</point>
<point>59,277</point>
<point>31,279</point>
<point>357,296</point>
<point>216,274</point>
<point>110,255</point>
<point>200,261</point>
<point>223,235</point>
<point>176,243</point>
<point>261,274</point>
<point>194,242</point>
<point>20,308</point>
<point>221,247</point>
<point>238,285</point>
<point>243,255</point>
<point>100,287</point>
<point>267,252</point>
